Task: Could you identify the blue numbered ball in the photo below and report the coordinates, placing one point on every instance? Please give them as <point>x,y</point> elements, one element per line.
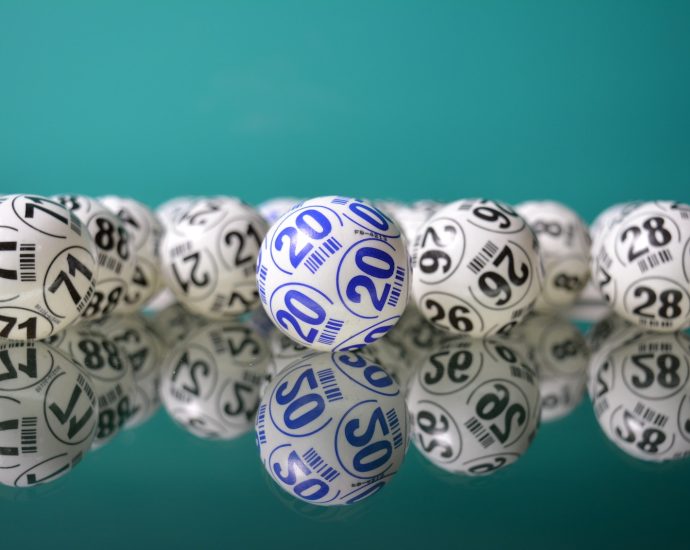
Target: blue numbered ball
<point>334,273</point>
<point>332,428</point>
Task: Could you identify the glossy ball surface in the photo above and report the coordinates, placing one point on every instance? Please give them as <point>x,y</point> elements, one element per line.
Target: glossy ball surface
<point>642,266</point>
<point>145,231</point>
<point>477,269</point>
<point>115,258</point>
<point>47,267</point>
<point>334,273</point>
<point>564,245</point>
<point>208,257</point>
<point>332,428</point>
<point>48,414</point>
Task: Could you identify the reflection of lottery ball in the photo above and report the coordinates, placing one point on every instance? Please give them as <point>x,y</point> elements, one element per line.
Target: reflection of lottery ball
<point>641,396</point>
<point>285,351</point>
<point>145,232</point>
<point>642,266</point>
<point>474,406</point>
<point>333,273</point>
<point>210,382</point>
<point>47,267</point>
<point>477,268</point>
<point>564,245</point>
<point>47,414</point>
<point>116,261</point>
<point>145,352</point>
<point>559,352</point>
<point>273,209</point>
<point>209,257</point>
<point>175,323</point>
<point>110,372</point>
<point>332,428</point>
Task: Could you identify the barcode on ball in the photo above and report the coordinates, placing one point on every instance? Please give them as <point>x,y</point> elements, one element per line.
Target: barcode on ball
<point>330,331</point>
<point>319,465</point>
<point>654,260</point>
<point>27,262</point>
<point>394,425</point>
<point>317,258</point>
<point>109,263</point>
<point>477,430</point>
<point>487,252</point>
<point>29,434</point>
<point>650,415</point>
<point>329,384</point>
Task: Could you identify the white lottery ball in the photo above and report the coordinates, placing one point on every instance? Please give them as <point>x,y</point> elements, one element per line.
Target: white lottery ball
<point>110,372</point>
<point>145,231</point>
<point>116,260</point>
<point>474,406</point>
<point>608,218</point>
<point>332,428</point>
<point>48,414</point>
<point>209,257</point>
<point>642,266</point>
<point>47,267</point>
<point>273,209</point>
<point>145,351</point>
<point>564,246</point>
<point>642,396</point>
<point>334,273</point>
<point>477,268</point>
<point>211,380</point>
<point>170,210</point>
<point>559,352</point>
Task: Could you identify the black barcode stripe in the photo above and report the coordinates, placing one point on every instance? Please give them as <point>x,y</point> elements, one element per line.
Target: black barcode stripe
<point>654,260</point>
<point>483,257</point>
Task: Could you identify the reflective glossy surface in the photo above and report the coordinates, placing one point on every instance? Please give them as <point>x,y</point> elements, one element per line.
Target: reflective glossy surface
<point>506,442</point>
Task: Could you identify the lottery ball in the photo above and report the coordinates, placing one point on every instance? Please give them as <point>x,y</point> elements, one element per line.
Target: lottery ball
<point>145,352</point>
<point>559,353</point>
<point>47,267</point>
<point>332,428</point>
<point>333,273</point>
<point>564,245</point>
<point>145,232</point>
<point>641,395</point>
<point>48,414</point>
<point>608,218</point>
<point>273,209</point>
<point>642,266</point>
<point>208,258</point>
<point>211,380</point>
<point>168,212</point>
<point>110,373</point>
<point>474,406</point>
<point>115,258</point>
<point>477,268</point>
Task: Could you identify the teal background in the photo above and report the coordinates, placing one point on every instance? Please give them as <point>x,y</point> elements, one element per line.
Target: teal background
<point>587,102</point>
<point>584,101</point>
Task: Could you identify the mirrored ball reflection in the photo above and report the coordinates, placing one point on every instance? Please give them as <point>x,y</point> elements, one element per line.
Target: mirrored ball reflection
<point>474,405</point>
<point>48,414</point>
<point>639,384</point>
<point>211,380</point>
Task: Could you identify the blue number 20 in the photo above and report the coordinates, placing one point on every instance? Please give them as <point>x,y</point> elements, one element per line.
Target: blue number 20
<point>311,223</point>
<point>362,260</point>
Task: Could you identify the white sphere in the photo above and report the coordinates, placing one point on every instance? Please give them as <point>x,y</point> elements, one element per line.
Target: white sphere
<point>273,209</point>
<point>145,231</point>
<point>48,414</point>
<point>332,428</point>
<point>474,406</point>
<point>559,353</point>
<point>564,246</point>
<point>641,395</point>
<point>47,267</point>
<point>111,375</point>
<point>116,260</point>
<point>477,268</point>
<point>210,382</point>
<point>174,323</point>
<point>334,273</point>
<point>642,266</point>
<point>170,210</point>
<point>145,351</point>
<point>208,258</point>
<point>608,218</point>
